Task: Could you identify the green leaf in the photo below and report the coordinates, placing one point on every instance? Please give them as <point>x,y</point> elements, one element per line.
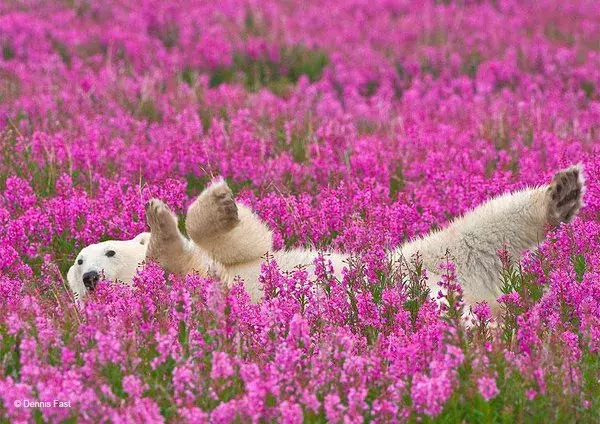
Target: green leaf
<point>580,267</point>
<point>114,376</point>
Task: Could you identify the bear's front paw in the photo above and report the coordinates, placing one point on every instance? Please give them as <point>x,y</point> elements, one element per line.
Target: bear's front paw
<point>161,220</point>
<point>565,194</point>
<point>213,212</point>
<point>226,211</point>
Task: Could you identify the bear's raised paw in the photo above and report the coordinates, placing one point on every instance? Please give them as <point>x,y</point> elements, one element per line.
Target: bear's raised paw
<point>565,194</point>
<point>161,220</point>
<point>226,208</point>
<point>213,212</point>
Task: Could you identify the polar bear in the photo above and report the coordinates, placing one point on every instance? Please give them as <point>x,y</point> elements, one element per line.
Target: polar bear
<point>114,260</point>
<point>228,240</point>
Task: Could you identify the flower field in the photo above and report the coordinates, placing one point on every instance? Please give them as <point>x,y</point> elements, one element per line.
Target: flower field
<point>346,125</point>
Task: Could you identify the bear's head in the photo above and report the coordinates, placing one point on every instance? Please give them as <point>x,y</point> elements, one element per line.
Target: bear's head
<point>113,260</point>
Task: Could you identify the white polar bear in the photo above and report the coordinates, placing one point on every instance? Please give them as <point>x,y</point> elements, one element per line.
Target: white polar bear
<point>116,259</point>
<point>228,240</point>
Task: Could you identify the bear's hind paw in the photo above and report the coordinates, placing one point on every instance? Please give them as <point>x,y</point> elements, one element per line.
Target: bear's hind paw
<point>565,194</point>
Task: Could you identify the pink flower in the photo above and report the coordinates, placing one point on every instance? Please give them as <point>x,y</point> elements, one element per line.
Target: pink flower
<point>333,407</point>
<point>512,298</point>
<point>133,386</point>
<point>429,394</point>
<point>225,412</point>
<point>291,413</point>
<point>531,394</point>
<point>487,387</point>
<point>221,366</point>
<point>482,312</point>
<point>340,141</point>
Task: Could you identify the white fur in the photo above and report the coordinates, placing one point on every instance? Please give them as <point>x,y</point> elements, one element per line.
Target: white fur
<point>120,267</point>
<point>231,241</point>
<point>515,220</point>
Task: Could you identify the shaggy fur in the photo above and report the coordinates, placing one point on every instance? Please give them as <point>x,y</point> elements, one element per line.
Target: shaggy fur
<point>228,240</point>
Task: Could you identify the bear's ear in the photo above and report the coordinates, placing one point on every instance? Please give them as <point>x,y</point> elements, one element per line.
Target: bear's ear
<point>142,239</point>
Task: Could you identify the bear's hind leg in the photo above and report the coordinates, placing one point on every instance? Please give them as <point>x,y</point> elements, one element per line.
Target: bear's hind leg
<point>565,194</point>
<point>231,233</point>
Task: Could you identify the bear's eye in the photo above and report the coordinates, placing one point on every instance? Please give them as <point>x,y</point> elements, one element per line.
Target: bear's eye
<point>79,261</point>
<point>110,253</point>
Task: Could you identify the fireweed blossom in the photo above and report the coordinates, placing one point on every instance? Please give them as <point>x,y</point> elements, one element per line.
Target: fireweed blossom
<point>339,140</point>
<point>487,387</point>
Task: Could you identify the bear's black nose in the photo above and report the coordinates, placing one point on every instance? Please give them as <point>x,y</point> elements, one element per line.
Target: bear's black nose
<point>90,279</point>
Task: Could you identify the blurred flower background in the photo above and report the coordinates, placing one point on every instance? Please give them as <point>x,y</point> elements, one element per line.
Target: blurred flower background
<point>349,125</point>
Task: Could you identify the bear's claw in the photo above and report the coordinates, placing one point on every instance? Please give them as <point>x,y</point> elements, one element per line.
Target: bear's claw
<point>565,194</point>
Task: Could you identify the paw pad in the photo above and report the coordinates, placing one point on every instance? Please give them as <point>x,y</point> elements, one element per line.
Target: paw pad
<point>566,194</point>
<point>159,217</point>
